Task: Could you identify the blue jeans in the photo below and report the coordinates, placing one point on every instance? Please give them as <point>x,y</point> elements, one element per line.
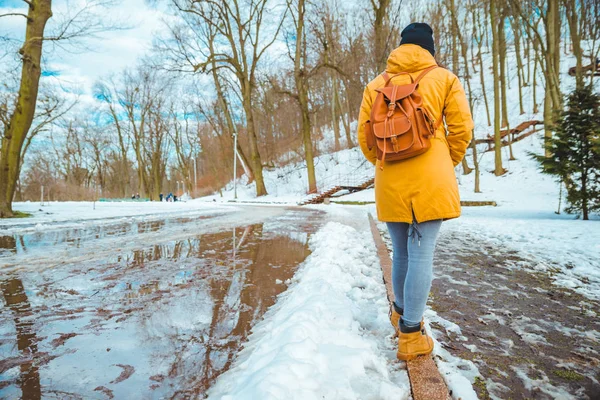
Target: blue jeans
<point>412,270</point>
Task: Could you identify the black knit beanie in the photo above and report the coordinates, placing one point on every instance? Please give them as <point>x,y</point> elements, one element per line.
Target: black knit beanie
<point>420,34</point>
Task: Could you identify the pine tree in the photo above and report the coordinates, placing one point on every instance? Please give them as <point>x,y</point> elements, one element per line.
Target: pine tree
<point>575,152</point>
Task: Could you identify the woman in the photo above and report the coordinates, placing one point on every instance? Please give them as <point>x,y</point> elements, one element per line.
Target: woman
<point>413,196</point>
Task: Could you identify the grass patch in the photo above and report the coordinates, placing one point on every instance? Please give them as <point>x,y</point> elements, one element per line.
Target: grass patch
<point>481,388</point>
<point>568,374</point>
<point>20,214</point>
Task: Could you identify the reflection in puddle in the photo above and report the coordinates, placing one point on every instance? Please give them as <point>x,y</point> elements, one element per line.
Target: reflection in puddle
<point>16,300</point>
<point>163,321</point>
<point>76,237</point>
<point>8,243</point>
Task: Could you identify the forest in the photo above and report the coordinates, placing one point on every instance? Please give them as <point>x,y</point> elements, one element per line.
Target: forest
<point>279,76</point>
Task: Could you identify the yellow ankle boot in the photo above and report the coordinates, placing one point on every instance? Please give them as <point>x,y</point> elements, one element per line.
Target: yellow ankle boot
<point>413,342</point>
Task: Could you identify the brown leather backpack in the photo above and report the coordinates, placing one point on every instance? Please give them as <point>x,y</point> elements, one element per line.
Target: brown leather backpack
<point>400,126</point>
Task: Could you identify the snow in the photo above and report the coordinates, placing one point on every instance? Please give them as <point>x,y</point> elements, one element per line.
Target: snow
<point>288,184</point>
<point>459,374</point>
<point>542,385</point>
<point>566,248</point>
<point>328,336</point>
<point>59,215</point>
<point>525,219</point>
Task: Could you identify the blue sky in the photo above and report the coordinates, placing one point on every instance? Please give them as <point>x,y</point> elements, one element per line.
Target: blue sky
<point>10,3</point>
<point>111,51</point>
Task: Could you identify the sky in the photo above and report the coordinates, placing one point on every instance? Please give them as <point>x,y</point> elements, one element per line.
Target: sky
<point>108,53</point>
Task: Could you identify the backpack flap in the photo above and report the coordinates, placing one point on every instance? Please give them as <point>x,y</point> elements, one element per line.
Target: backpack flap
<point>395,93</point>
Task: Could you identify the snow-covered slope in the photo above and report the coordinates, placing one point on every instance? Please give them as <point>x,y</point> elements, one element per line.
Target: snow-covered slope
<point>289,183</point>
<point>525,218</point>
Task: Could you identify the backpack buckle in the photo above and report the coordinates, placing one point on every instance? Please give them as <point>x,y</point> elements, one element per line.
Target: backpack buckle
<point>391,108</point>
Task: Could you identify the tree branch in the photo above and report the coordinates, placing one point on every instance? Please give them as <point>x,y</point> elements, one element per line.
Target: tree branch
<point>15,14</point>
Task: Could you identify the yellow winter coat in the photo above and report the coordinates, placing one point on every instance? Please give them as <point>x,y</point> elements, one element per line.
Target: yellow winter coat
<point>426,184</point>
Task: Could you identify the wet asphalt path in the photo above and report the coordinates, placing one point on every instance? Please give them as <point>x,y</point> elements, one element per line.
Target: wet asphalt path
<point>143,308</point>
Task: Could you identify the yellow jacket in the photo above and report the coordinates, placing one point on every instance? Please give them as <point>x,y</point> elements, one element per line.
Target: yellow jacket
<point>424,185</point>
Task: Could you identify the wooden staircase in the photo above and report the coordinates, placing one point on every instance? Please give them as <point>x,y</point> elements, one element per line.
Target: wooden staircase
<point>516,134</point>
<point>334,184</point>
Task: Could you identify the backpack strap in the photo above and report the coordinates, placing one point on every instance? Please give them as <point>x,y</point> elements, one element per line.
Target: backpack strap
<point>422,74</point>
<point>389,78</point>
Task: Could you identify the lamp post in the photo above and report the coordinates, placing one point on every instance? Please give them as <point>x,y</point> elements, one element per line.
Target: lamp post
<point>235,164</point>
<point>195,176</point>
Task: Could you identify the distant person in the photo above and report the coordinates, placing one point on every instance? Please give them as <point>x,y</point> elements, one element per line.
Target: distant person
<point>175,198</point>
<point>137,196</point>
<point>160,197</point>
<point>133,197</point>
<point>416,193</point>
<point>170,197</point>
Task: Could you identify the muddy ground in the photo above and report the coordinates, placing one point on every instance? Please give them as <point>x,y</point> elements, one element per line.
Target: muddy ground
<point>529,338</point>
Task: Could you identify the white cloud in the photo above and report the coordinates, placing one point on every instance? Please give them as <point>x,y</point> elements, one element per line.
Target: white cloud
<point>111,51</point>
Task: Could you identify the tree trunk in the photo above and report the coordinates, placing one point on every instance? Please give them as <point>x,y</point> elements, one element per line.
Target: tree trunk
<point>534,79</point>
<point>572,14</point>
<point>503,83</point>
<point>21,119</point>
<point>503,80</point>
<point>454,33</point>
<point>547,121</point>
<point>124,173</point>
<point>499,170</point>
<point>528,56</point>
<point>229,120</point>
<point>256,163</point>
<point>552,58</point>
<point>463,49</point>
<point>481,72</point>
<point>380,9</point>
<point>345,121</point>
<point>301,80</point>
<point>348,130</point>
<point>584,193</point>
<point>15,299</point>
<point>476,165</point>
<point>520,69</point>
<point>335,118</point>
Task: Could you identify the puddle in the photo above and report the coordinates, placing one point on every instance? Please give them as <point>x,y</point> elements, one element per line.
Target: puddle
<point>163,320</point>
<point>78,237</point>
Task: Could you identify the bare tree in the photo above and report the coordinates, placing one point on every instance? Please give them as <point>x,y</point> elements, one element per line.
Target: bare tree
<point>108,92</point>
<point>17,118</point>
<point>386,15</point>
<point>240,26</point>
<point>301,78</point>
<point>494,21</point>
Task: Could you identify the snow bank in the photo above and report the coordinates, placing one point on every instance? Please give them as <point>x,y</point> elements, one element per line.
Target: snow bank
<point>68,214</point>
<point>328,335</point>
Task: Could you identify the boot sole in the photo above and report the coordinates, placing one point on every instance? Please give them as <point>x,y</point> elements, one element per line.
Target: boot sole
<point>412,356</point>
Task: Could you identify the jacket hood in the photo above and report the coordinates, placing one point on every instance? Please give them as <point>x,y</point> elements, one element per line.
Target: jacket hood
<point>409,58</point>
